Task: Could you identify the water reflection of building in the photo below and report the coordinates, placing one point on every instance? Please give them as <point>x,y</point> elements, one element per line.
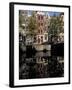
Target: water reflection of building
<point>41,68</point>
<point>24,71</point>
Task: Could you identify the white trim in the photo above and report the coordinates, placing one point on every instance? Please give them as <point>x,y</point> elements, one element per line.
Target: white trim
<point>16,46</point>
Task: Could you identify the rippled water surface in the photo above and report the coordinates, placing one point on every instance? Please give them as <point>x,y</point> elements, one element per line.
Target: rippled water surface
<point>40,65</point>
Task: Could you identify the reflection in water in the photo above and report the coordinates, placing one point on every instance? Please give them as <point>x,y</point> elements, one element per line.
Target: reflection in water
<point>40,65</point>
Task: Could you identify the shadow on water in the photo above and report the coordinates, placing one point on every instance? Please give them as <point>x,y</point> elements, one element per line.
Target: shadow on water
<point>40,64</point>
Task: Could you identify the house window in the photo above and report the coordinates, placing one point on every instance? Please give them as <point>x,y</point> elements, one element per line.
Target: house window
<point>34,39</point>
<point>41,17</point>
<point>23,27</point>
<point>42,59</point>
<point>46,37</point>
<point>41,24</point>
<point>38,17</point>
<point>38,40</point>
<point>41,31</point>
<point>45,29</point>
<point>38,31</point>
<point>41,39</point>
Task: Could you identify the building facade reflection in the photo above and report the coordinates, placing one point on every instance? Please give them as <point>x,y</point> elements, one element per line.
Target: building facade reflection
<point>41,66</point>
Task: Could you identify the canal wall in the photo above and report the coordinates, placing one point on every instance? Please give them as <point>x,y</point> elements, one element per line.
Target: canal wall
<point>42,47</point>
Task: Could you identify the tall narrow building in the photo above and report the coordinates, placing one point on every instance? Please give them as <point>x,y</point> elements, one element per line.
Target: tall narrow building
<point>42,30</point>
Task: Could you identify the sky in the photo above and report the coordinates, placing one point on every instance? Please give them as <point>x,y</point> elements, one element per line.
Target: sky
<point>50,13</point>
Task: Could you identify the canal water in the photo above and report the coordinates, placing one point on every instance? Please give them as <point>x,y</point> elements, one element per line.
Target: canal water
<point>40,65</point>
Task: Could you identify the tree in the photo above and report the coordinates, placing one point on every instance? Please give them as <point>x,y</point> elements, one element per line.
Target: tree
<point>32,24</point>
<point>56,25</point>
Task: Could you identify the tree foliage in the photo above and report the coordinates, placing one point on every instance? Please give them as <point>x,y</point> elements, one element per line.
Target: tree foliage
<point>56,25</point>
<point>32,23</point>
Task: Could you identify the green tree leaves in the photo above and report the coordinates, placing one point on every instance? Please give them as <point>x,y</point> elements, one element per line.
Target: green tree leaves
<point>32,23</point>
<point>56,25</point>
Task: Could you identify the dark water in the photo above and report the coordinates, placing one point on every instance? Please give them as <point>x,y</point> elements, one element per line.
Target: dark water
<point>40,65</point>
